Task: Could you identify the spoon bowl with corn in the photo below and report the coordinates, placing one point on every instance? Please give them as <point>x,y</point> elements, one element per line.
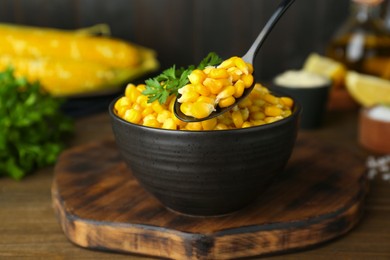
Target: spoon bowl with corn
<point>211,93</point>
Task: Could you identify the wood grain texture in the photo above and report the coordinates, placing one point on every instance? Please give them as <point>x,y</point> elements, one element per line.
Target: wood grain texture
<point>101,206</point>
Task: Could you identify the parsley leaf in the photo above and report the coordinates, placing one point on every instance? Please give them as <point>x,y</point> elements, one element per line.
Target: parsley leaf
<point>31,126</point>
<point>211,59</point>
<point>172,79</point>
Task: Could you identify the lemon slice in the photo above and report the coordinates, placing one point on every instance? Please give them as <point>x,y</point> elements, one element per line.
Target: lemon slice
<point>325,66</point>
<point>368,90</point>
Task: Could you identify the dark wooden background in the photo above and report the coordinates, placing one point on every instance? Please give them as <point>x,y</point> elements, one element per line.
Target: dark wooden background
<point>184,31</point>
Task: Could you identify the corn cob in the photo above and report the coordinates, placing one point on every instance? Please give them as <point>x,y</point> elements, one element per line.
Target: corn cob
<point>72,62</point>
<point>38,42</point>
<point>68,77</point>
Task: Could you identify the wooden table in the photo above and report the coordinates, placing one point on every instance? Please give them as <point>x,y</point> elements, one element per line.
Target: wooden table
<point>29,228</point>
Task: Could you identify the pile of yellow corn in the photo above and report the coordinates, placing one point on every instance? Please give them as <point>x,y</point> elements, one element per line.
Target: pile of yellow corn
<point>72,62</point>
<point>215,86</point>
<point>260,107</point>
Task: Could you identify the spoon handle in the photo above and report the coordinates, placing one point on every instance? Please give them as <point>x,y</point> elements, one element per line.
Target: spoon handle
<point>251,53</point>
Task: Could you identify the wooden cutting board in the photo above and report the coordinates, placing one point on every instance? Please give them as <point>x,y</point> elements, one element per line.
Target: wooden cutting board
<point>100,206</point>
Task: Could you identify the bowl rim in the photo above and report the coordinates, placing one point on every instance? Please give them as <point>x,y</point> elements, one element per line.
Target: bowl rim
<point>297,108</point>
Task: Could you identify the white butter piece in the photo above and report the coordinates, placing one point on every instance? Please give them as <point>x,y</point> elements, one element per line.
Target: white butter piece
<point>301,79</point>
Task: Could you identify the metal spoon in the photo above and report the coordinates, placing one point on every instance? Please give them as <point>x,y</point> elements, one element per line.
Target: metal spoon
<point>248,57</point>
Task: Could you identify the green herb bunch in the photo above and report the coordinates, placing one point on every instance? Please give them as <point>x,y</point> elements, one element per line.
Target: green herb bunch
<point>172,79</point>
<point>32,126</point>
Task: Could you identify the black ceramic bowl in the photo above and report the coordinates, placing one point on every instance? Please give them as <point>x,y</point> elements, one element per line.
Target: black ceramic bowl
<point>205,173</point>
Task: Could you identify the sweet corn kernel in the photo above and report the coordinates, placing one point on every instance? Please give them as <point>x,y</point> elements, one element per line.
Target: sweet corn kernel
<point>271,119</point>
<point>141,87</point>
<point>215,86</point>
<point>208,69</point>
<point>142,101</point>
<point>157,107</point>
<point>146,111</point>
<point>271,99</point>
<point>208,100</point>
<point>169,123</point>
<point>124,102</point>
<point>225,119</point>
<point>256,93</point>
<point>197,77</point>
<point>218,73</point>
<point>247,79</point>
<point>228,91</point>
<point>257,115</point>
<point>239,87</point>
<point>163,116</point>
<point>121,111</point>
<point>194,126</point>
<point>130,87</point>
<point>133,94</point>
<point>227,101</point>
<point>241,64</point>
<point>201,109</point>
<point>235,73</point>
<point>149,117</point>
<point>117,105</point>
<point>202,90</point>
<point>259,102</point>
<point>262,89</point>
<point>272,111</point>
<point>245,114</point>
<point>209,124</point>
<point>221,126</point>
<point>226,82</point>
<point>226,64</point>
<point>245,103</point>
<point>138,107</point>
<point>237,119</point>
<point>132,116</point>
<point>287,101</point>
<point>255,108</point>
<point>246,124</point>
<point>185,108</point>
<point>286,113</point>
<point>190,96</point>
<point>187,88</point>
<point>257,122</point>
<point>151,121</point>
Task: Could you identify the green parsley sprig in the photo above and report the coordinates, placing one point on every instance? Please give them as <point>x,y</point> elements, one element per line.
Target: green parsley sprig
<point>32,126</point>
<point>172,79</point>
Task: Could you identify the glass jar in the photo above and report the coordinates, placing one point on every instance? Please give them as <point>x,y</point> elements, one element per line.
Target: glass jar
<point>363,42</point>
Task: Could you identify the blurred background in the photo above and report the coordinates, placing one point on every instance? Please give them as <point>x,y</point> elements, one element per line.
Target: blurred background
<point>183,32</point>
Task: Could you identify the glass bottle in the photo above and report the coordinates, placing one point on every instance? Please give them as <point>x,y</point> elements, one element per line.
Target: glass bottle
<point>363,43</point>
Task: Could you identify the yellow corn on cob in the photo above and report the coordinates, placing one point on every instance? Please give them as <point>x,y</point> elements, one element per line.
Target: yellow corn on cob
<point>70,77</point>
<point>61,44</point>
<point>69,63</point>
